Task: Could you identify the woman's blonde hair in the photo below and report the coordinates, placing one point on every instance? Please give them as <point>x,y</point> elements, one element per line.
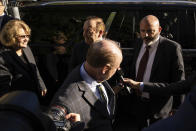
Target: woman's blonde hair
<point>8,35</point>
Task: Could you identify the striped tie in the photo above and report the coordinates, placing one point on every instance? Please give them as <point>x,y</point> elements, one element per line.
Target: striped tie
<point>102,94</point>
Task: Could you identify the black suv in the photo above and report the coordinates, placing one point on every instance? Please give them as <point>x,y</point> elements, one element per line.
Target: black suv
<point>178,20</point>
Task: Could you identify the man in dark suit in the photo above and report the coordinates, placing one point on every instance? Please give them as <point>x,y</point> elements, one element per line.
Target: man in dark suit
<point>156,59</point>
<point>163,89</point>
<point>93,30</point>
<point>3,17</point>
<point>183,120</point>
<point>86,91</point>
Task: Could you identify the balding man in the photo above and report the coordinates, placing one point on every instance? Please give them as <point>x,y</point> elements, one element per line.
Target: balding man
<point>156,59</point>
<point>86,91</point>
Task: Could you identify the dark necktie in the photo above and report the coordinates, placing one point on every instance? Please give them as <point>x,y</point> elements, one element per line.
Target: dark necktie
<point>142,65</point>
<point>102,94</point>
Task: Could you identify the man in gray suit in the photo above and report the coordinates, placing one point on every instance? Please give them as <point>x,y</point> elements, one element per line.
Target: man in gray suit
<point>79,92</point>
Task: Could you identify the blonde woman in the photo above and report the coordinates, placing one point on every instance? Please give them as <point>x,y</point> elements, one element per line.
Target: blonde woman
<point>18,70</point>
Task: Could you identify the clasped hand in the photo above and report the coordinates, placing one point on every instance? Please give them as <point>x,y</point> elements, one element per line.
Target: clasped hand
<point>127,81</point>
<point>133,84</point>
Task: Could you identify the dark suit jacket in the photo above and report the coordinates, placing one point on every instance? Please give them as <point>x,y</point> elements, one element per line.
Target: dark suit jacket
<point>57,66</point>
<point>78,55</point>
<point>5,19</point>
<point>183,120</point>
<point>16,75</point>
<point>176,88</point>
<point>167,67</point>
<point>78,98</point>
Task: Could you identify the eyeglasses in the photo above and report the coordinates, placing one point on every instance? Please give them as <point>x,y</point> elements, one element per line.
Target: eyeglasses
<point>23,36</point>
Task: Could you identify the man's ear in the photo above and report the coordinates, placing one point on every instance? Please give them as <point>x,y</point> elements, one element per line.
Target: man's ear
<point>106,68</point>
<point>160,29</point>
<point>100,33</point>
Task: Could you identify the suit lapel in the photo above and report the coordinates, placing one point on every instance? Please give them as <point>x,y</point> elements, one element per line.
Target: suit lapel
<point>17,62</point>
<point>26,68</point>
<point>137,50</point>
<point>92,100</point>
<point>157,57</point>
<point>29,55</point>
<point>4,20</point>
<point>13,60</point>
<point>111,97</point>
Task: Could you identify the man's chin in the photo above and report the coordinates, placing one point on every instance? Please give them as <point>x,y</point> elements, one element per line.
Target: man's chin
<point>89,41</point>
<point>147,41</point>
<point>24,46</point>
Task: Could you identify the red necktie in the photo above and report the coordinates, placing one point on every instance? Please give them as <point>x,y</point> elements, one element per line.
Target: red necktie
<point>142,65</point>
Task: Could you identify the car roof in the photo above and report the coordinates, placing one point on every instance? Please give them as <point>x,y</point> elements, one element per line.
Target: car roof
<point>133,2</point>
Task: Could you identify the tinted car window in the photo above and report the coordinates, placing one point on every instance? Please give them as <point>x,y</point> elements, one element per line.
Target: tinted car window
<point>177,20</point>
<point>45,20</point>
<point>177,23</point>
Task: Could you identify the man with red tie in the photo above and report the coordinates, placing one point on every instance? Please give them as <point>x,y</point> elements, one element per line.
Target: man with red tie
<point>156,59</point>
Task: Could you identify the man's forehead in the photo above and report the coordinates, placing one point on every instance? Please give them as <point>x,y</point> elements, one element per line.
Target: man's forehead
<point>149,25</point>
<point>91,23</point>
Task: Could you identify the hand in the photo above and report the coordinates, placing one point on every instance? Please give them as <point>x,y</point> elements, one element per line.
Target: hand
<point>117,88</point>
<point>132,83</point>
<point>73,117</point>
<point>172,112</point>
<point>44,92</point>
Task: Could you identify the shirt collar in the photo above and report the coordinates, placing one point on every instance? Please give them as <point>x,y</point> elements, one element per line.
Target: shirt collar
<point>86,77</point>
<point>2,14</point>
<point>100,39</point>
<point>152,44</point>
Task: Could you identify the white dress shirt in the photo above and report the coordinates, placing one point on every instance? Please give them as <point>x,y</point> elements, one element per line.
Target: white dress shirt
<point>152,52</point>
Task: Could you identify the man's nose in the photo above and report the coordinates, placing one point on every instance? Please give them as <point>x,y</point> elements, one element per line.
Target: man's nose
<point>146,34</point>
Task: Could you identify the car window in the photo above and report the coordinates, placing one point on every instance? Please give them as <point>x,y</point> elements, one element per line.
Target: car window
<point>46,20</point>
<point>178,23</point>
